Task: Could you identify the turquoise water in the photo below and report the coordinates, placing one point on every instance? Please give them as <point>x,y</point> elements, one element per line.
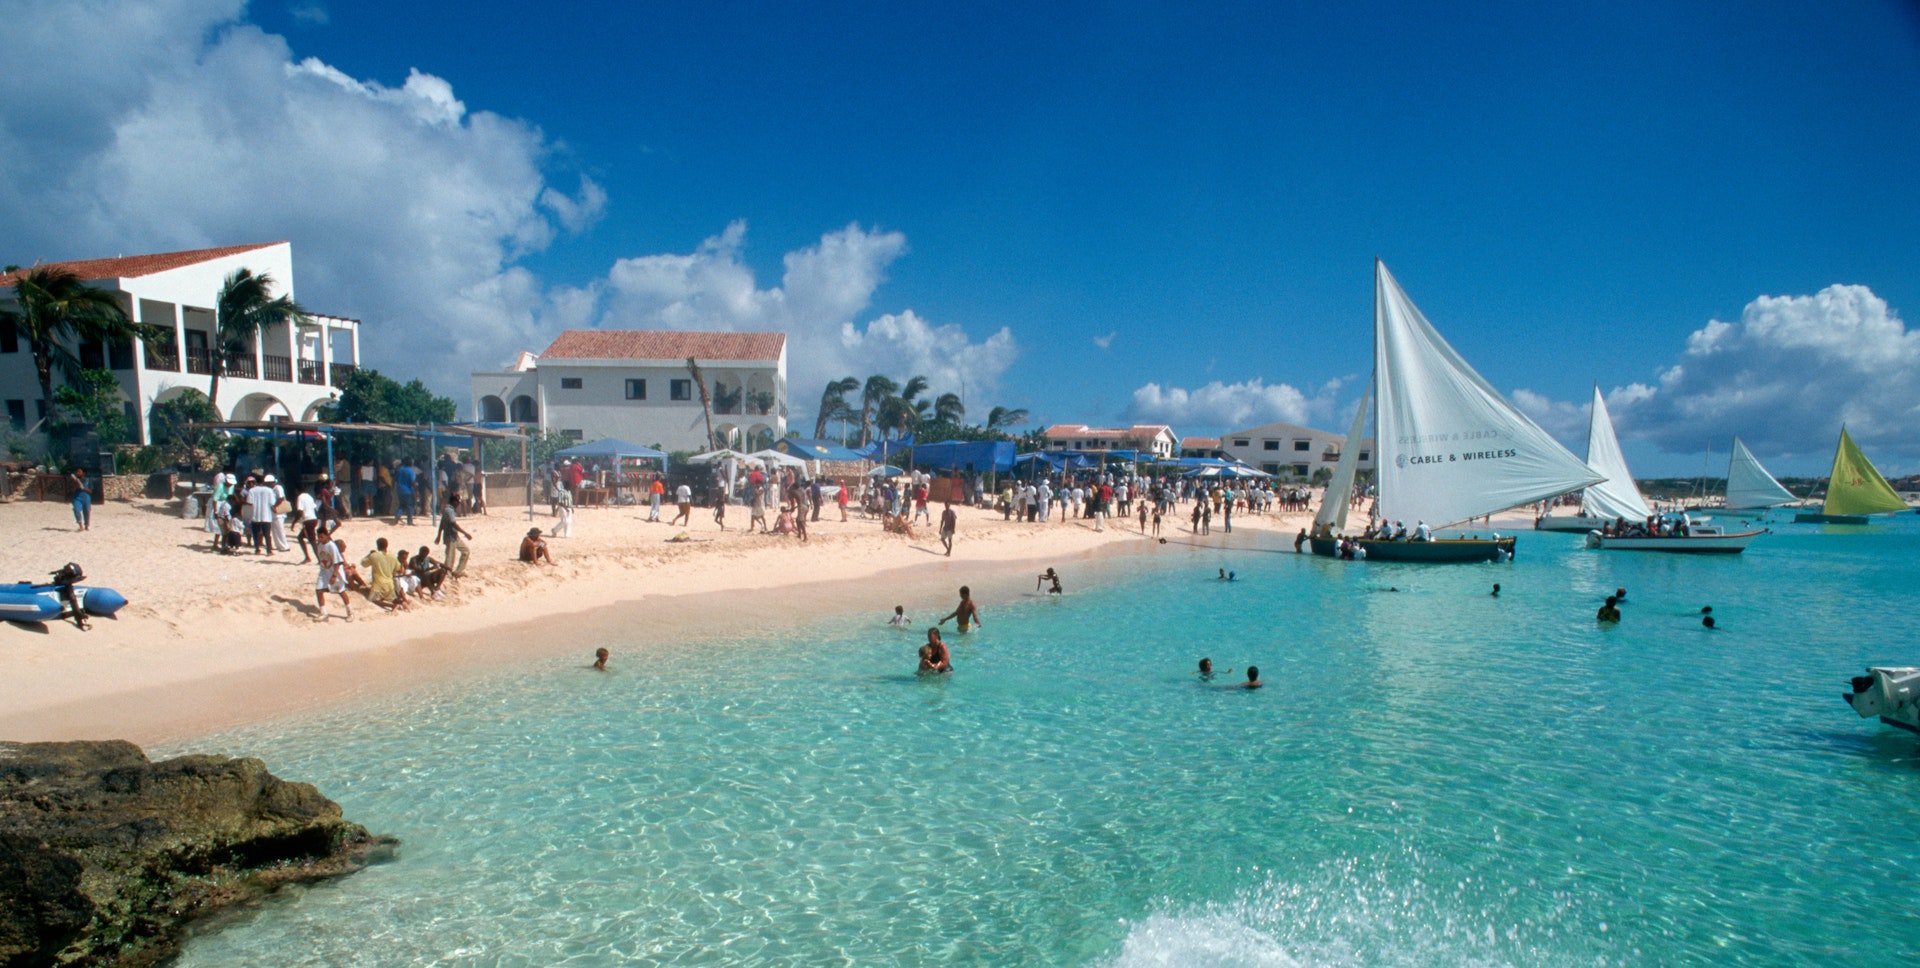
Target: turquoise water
<point>1430,776</point>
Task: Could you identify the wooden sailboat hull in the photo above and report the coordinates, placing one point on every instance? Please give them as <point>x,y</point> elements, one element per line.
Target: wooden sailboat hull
<point>1698,544</point>
<point>1437,551</point>
<point>1815,517</point>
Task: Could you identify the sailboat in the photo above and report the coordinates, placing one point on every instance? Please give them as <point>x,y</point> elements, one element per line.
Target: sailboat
<point>1854,490</point>
<point>1749,487</point>
<point>1449,447</point>
<point>1617,496</point>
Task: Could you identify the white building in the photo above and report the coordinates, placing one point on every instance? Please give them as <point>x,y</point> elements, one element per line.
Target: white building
<point>289,371</point>
<point>1290,451</point>
<point>634,385</point>
<point>1155,439</point>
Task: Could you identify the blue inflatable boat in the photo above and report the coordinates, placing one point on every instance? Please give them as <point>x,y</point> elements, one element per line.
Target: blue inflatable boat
<point>29,602</point>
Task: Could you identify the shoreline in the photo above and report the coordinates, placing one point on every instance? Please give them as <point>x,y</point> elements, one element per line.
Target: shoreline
<point>215,655</point>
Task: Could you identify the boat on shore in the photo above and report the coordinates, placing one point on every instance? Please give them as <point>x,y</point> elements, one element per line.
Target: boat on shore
<point>1448,447</point>
<point>1610,500</point>
<point>1855,489</point>
<point>1699,539</point>
<point>30,602</point>
<point>1889,692</point>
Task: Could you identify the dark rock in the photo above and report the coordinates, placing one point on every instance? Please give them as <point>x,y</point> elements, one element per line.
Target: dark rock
<point>105,856</point>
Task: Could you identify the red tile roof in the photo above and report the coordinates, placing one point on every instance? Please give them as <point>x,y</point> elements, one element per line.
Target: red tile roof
<point>1198,443</point>
<point>131,266</point>
<point>1082,430</point>
<point>653,344</point>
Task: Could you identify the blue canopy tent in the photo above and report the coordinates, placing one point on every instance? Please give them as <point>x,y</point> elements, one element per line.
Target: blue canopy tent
<point>613,447</point>
<point>954,455</point>
<point>806,449</point>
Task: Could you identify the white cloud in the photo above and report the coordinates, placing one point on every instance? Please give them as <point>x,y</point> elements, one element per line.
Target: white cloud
<point>309,13</point>
<point>177,124</point>
<point>823,290</point>
<point>1566,421</point>
<point>1783,378</point>
<point>1105,342</point>
<point>1231,406</point>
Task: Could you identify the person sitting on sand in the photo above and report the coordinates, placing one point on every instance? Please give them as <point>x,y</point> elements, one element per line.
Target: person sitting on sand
<point>898,524</point>
<point>432,574</point>
<point>381,567</point>
<point>533,548</point>
<point>784,523</point>
<point>966,612</point>
<point>600,657</point>
<point>404,580</point>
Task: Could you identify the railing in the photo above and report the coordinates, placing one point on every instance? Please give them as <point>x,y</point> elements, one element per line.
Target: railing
<point>199,360</point>
<point>339,372</point>
<point>311,373</point>
<point>279,368</point>
<point>241,367</point>
<point>165,357</point>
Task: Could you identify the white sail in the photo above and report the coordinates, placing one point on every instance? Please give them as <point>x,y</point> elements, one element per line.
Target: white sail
<point>1617,496</point>
<point>1749,485</point>
<point>1339,496</point>
<point>1448,446</point>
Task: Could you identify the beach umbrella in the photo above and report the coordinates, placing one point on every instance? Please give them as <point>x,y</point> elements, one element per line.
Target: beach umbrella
<point>714,455</point>
<point>777,457</point>
<point>885,470</point>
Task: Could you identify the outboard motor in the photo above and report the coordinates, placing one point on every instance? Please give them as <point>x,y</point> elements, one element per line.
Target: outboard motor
<point>1893,694</point>
<point>64,579</point>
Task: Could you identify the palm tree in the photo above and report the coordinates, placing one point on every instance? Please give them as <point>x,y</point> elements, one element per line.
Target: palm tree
<point>832,401</point>
<point>897,416</point>
<point>58,308</point>
<point>1001,418</point>
<point>243,311</point>
<point>949,409</point>
<point>878,388</point>
<point>706,399</point>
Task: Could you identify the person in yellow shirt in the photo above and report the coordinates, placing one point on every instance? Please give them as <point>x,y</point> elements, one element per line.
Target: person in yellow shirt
<point>381,567</point>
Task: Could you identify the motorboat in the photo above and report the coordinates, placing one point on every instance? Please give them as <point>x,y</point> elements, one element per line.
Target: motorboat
<point>1889,692</point>
<point>1701,538</point>
<point>47,601</point>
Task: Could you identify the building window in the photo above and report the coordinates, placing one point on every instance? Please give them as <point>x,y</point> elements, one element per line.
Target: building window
<point>17,414</point>
<point>1273,469</point>
<point>9,337</point>
<point>1303,445</point>
<point>636,389</point>
<point>569,383</point>
<point>1242,443</point>
<point>1270,444</point>
<point>680,389</point>
<point>572,434</point>
<point>1365,456</point>
<point>1301,470</point>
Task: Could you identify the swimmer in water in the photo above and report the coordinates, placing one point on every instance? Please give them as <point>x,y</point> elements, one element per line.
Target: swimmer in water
<point>900,619</point>
<point>1206,671</point>
<point>1619,596</point>
<point>1223,575</point>
<point>934,656</point>
<point>1049,576</point>
<point>966,612</point>
<point>1609,612</point>
<point>1496,589</point>
<point>1706,622</point>
<point>1253,678</point>
<point>600,659</point>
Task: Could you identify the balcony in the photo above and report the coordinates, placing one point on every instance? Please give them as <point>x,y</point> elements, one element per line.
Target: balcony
<point>339,372</point>
<point>199,360</point>
<point>164,357</point>
<point>311,373</point>
<point>241,367</point>
<point>279,368</point>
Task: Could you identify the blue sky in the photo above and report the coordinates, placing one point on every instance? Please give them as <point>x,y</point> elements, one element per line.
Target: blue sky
<point>1098,212</point>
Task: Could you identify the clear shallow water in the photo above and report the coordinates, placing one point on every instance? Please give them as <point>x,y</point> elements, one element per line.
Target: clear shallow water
<point>1431,776</point>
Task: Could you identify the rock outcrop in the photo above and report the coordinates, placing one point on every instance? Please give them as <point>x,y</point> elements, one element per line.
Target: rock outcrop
<point>106,856</point>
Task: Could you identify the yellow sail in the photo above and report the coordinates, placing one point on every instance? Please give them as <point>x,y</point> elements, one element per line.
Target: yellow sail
<point>1856,487</point>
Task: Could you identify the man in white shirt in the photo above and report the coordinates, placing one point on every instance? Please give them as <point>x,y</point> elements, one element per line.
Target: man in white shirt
<point>260,501</point>
<point>683,496</point>
<point>307,516</point>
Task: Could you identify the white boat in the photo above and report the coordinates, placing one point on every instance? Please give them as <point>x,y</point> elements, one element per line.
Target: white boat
<point>1612,499</point>
<point>1749,487</point>
<point>1701,539</point>
<point>1448,446</point>
<point>1889,692</point>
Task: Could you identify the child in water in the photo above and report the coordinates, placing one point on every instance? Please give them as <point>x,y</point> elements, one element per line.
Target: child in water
<point>1206,670</point>
<point>900,619</point>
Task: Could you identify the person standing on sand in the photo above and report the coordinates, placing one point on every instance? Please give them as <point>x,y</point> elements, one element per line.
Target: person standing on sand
<point>82,499</point>
<point>949,522</point>
<point>683,496</point>
<point>966,612</point>
<point>841,499</point>
<point>454,537</point>
<point>332,576</point>
<point>403,482</point>
<point>306,512</point>
<point>260,500</point>
<point>655,491</point>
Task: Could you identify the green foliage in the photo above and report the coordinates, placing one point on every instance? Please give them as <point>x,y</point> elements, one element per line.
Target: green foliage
<point>368,397</point>
<point>543,446</point>
<point>243,311</point>
<point>94,397</point>
<point>1322,477</point>
<point>145,460</point>
<point>57,307</point>
<point>168,426</point>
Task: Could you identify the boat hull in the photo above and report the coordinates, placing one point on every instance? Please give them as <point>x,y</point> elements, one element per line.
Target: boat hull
<point>1437,551</point>
<point>24,602</point>
<point>1891,693</point>
<point>1815,517</point>
<point>1699,544</point>
<point>1574,524</point>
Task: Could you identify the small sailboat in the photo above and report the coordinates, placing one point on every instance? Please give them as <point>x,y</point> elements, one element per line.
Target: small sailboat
<point>1449,447</point>
<point>1749,487</point>
<point>1854,490</point>
<point>1686,536</point>
<point>1617,496</point>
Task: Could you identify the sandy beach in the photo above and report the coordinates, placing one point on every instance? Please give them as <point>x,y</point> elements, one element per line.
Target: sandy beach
<point>211,640</point>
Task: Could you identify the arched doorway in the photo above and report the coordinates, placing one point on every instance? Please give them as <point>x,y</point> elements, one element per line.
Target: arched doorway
<point>493,409</point>
<point>524,410</point>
